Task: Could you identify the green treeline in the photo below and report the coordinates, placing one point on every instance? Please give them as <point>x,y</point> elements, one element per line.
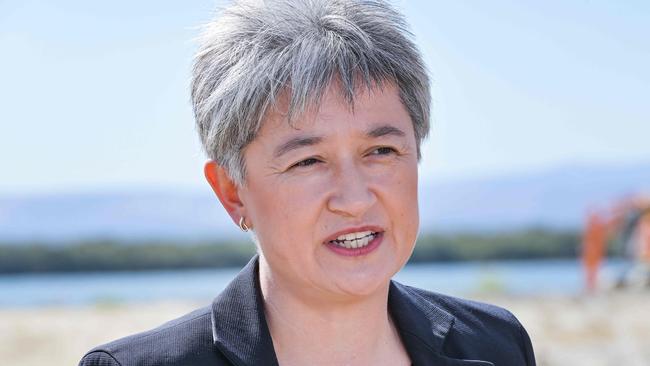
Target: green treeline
<point>116,256</point>
<point>526,244</point>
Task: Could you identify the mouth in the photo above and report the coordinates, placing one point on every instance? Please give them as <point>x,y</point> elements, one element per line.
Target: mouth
<point>355,240</point>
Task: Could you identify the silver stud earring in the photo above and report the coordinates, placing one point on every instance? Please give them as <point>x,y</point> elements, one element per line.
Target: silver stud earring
<point>242,224</point>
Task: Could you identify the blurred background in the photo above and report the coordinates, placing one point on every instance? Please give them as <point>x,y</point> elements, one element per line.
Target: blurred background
<point>533,189</point>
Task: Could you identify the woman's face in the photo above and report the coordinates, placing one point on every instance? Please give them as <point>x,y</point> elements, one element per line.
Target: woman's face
<point>333,175</point>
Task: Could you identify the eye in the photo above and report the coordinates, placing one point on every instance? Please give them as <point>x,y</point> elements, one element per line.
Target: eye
<point>305,163</point>
<point>383,150</point>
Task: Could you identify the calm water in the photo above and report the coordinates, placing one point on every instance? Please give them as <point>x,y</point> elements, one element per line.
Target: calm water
<point>517,277</point>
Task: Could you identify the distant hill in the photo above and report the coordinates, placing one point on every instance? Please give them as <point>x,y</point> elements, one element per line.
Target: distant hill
<point>556,198</point>
<point>139,214</point>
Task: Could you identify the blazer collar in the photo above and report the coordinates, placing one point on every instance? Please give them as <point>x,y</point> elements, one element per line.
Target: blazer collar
<point>239,327</point>
<point>423,327</point>
<point>240,332</point>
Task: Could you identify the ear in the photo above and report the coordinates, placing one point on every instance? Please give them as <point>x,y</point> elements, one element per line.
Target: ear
<point>225,189</point>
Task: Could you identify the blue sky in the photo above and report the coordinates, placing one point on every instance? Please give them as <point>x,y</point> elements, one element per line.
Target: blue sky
<point>94,95</point>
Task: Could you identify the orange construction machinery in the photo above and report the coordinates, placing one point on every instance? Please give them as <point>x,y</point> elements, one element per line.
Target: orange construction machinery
<point>626,226</point>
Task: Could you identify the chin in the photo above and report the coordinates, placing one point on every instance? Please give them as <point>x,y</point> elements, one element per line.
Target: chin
<point>363,282</point>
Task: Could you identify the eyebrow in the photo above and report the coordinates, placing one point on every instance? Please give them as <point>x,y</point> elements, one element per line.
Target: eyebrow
<point>303,141</point>
<point>296,143</point>
<point>385,130</point>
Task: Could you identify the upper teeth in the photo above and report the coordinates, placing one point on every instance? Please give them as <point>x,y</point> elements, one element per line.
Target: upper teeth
<point>355,240</point>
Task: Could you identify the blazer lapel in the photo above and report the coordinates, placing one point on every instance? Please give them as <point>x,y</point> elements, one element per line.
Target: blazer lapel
<point>239,327</point>
<point>240,332</point>
<point>423,327</point>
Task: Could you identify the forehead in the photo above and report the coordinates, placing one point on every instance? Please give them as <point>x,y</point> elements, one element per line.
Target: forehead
<point>334,113</point>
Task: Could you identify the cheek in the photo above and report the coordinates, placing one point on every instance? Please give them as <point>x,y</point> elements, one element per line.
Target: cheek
<point>299,200</point>
<point>401,192</point>
<point>285,210</point>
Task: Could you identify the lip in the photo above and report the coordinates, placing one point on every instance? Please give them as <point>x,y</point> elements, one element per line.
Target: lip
<point>357,252</point>
<point>373,228</point>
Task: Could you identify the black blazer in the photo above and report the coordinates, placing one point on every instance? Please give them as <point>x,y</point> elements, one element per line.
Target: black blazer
<point>435,330</point>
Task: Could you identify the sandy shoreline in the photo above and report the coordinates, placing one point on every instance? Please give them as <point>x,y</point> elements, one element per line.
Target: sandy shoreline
<point>606,329</point>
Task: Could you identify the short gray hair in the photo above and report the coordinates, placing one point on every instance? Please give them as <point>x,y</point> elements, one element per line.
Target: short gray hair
<point>256,49</point>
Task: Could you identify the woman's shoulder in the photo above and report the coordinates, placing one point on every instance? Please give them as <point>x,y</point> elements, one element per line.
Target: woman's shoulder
<point>472,329</point>
<point>183,341</point>
<point>466,310</point>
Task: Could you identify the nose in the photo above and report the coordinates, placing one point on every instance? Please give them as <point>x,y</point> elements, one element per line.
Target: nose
<point>351,195</point>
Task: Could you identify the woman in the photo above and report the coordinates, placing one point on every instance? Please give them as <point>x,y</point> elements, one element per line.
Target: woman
<point>312,113</point>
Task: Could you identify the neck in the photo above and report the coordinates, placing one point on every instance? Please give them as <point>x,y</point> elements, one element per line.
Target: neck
<point>318,330</point>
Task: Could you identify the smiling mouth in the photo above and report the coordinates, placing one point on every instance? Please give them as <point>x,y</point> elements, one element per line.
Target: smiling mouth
<point>355,240</point>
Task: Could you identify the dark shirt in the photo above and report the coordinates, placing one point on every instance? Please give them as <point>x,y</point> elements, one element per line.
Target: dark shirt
<point>435,330</point>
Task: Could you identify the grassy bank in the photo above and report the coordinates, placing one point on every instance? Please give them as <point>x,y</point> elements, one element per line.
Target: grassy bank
<point>113,255</point>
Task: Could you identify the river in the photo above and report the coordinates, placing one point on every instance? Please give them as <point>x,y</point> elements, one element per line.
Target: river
<point>511,277</point>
